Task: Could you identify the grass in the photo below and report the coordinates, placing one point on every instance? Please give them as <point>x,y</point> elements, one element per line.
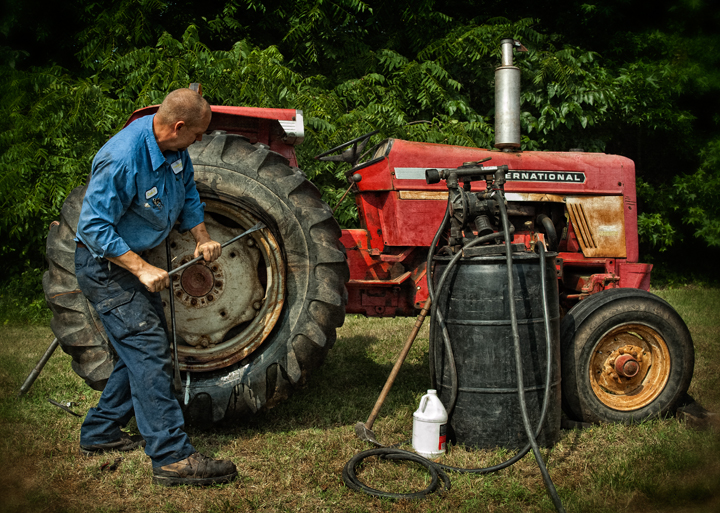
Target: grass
<point>291,458</point>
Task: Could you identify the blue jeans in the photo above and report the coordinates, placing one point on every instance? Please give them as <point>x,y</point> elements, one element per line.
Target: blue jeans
<point>141,382</point>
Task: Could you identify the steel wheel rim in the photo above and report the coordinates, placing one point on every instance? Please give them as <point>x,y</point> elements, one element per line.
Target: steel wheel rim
<point>241,338</point>
<point>644,345</point>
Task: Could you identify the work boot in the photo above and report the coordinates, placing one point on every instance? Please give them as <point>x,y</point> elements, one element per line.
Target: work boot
<point>124,444</point>
<point>197,469</point>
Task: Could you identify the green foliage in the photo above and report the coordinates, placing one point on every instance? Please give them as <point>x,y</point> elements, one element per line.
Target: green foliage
<point>50,127</point>
<point>418,71</point>
<point>699,196</point>
<point>656,230</point>
<point>22,300</point>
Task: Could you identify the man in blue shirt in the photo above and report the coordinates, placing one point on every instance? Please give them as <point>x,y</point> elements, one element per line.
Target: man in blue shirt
<point>142,183</point>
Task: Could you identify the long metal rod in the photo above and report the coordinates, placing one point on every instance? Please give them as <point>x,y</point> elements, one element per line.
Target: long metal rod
<point>39,367</point>
<point>258,226</point>
<point>177,383</point>
<point>398,364</point>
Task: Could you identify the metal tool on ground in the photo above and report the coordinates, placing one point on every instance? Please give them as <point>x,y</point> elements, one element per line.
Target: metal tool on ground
<point>110,467</point>
<point>258,226</point>
<point>177,383</point>
<point>65,407</point>
<point>364,431</point>
<point>39,367</point>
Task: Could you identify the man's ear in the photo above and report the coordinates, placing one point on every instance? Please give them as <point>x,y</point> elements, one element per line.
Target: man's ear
<point>177,126</point>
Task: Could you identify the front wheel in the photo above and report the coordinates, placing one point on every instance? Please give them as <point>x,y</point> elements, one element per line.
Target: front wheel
<point>626,356</point>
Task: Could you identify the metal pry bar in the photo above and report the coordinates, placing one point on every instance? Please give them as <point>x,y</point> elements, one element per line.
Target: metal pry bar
<point>177,383</point>
<point>258,226</point>
<point>39,367</point>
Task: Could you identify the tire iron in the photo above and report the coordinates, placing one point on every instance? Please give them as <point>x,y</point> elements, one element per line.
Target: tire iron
<point>258,226</point>
<point>177,383</point>
<point>38,368</point>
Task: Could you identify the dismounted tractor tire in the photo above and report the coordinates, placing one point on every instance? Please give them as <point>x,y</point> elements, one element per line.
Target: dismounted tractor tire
<point>75,322</point>
<point>253,324</point>
<point>627,356</point>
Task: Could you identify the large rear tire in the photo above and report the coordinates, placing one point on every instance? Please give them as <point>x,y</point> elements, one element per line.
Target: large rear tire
<point>266,314</point>
<point>626,356</point>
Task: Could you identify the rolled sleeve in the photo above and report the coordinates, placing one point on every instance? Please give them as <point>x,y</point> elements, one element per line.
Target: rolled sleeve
<point>106,200</point>
<point>193,212</point>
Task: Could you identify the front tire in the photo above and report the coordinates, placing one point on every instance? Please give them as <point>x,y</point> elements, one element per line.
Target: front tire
<point>626,356</point>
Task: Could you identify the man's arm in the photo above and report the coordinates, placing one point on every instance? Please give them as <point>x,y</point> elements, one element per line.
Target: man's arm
<point>156,279</point>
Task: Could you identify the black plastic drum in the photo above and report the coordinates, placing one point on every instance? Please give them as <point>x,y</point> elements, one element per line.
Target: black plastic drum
<point>475,305</point>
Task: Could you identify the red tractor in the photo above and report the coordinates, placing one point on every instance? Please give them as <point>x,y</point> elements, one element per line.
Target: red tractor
<point>255,323</point>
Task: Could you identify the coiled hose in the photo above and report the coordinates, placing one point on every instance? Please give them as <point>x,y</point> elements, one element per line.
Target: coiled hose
<point>436,470</point>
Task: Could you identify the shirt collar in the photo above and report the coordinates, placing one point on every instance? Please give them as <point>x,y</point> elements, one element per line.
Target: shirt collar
<point>157,159</point>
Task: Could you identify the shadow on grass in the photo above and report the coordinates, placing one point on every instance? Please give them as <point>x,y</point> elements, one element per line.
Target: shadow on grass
<point>342,391</point>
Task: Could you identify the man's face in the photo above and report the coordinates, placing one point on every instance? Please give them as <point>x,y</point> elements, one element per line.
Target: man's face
<point>186,134</point>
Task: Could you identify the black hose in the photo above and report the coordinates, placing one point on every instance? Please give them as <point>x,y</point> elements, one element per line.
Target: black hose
<point>518,360</point>
<point>428,280</point>
<point>552,237</point>
<point>352,481</point>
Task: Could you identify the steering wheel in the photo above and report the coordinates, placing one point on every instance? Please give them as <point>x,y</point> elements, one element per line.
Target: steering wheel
<point>351,155</point>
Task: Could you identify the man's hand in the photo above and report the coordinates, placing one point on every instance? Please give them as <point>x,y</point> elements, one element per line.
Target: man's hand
<point>205,246</point>
<point>154,278</point>
<point>210,250</point>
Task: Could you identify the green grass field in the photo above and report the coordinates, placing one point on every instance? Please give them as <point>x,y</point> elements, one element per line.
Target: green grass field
<point>291,458</point>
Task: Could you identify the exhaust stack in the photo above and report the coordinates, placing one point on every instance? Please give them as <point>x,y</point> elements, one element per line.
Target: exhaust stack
<point>507,98</point>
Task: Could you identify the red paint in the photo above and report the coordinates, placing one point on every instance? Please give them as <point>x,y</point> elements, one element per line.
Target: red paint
<point>387,255</point>
<point>258,125</point>
<point>626,366</point>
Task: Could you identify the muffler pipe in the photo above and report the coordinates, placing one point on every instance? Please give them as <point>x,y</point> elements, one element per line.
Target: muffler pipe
<point>507,98</point>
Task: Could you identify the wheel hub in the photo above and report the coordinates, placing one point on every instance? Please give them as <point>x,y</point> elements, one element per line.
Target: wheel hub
<point>629,367</point>
<point>626,366</point>
<point>197,280</point>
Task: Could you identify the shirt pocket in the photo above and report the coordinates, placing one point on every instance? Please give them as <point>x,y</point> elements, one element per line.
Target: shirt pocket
<point>153,210</point>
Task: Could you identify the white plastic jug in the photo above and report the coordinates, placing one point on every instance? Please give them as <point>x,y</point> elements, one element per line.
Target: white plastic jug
<point>430,426</point>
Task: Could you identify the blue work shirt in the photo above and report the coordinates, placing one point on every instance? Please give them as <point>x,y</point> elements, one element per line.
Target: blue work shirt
<point>136,194</point>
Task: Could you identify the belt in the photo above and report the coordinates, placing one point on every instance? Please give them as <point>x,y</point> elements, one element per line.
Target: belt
<point>81,245</point>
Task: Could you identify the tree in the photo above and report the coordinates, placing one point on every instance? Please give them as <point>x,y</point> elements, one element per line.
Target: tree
<point>592,78</point>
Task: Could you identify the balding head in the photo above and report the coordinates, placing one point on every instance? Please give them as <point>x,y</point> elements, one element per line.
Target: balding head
<point>183,105</point>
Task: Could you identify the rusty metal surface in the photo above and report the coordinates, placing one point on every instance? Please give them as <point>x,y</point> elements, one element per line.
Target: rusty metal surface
<point>599,224</point>
<point>198,280</point>
<point>225,308</point>
<point>630,367</point>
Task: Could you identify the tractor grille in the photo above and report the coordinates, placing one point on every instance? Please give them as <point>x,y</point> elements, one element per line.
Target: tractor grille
<point>582,225</point>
